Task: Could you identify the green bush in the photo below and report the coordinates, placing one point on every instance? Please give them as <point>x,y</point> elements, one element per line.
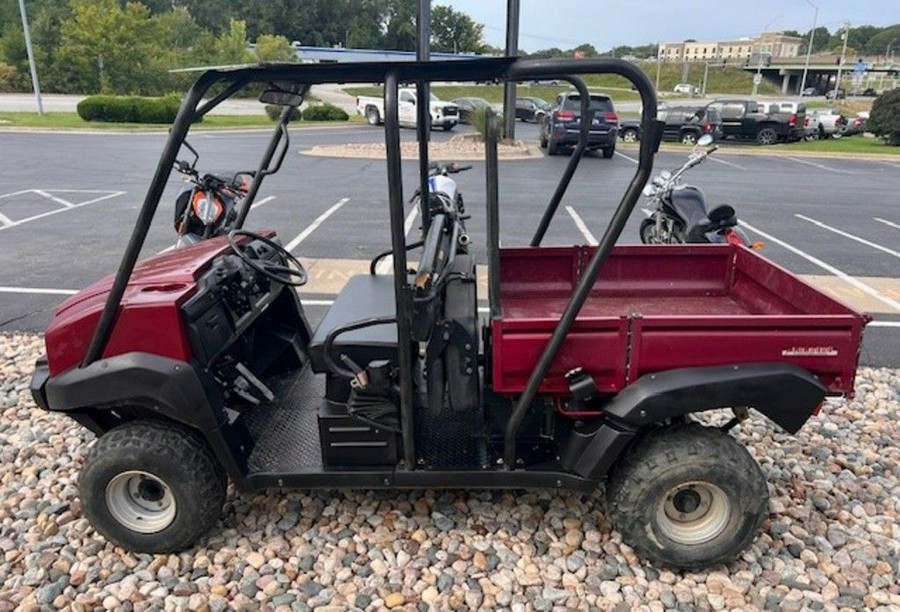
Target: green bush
<point>325,112</point>
<point>274,112</point>
<point>129,109</point>
<point>479,122</point>
<point>884,120</point>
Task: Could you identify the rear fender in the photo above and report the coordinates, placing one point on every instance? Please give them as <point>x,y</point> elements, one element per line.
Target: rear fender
<point>786,394</point>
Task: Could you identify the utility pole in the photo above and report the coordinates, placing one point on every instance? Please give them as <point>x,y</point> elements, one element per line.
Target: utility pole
<point>34,76</point>
<point>812,36</point>
<point>658,61</point>
<point>512,48</point>
<point>837,83</point>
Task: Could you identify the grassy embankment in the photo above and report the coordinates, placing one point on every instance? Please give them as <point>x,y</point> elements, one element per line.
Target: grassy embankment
<point>729,79</point>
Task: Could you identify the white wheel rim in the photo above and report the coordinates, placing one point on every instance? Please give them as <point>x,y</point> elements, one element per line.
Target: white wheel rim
<point>693,513</point>
<point>140,501</point>
<point>630,136</point>
<point>689,139</point>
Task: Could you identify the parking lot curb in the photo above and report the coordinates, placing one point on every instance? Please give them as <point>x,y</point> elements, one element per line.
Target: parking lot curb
<point>776,151</point>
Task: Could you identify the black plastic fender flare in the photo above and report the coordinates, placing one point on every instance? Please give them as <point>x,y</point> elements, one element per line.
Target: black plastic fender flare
<point>173,389</point>
<point>786,394</point>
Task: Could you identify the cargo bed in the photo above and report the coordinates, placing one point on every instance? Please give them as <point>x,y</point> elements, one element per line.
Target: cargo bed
<point>657,308</point>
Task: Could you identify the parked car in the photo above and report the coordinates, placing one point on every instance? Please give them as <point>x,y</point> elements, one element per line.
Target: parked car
<point>469,106</point>
<point>868,92</point>
<point>811,91</point>
<point>686,88</point>
<point>856,125</point>
<point>684,124</point>
<point>562,125</point>
<point>832,94</point>
<point>824,123</point>
<point>443,114</point>
<point>765,123</point>
<point>531,109</point>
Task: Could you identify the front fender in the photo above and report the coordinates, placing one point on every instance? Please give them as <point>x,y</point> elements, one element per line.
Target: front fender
<point>786,394</point>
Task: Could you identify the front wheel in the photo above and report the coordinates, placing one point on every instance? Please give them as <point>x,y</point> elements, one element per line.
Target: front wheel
<point>448,126</point>
<point>152,487</point>
<point>629,135</point>
<point>688,497</point>
<point>689,138</point>
<point>651,235</point>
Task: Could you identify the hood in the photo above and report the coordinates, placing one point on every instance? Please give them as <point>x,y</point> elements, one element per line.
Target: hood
<point>166,269</point>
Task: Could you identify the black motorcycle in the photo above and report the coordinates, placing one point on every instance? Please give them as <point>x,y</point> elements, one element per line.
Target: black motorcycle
<point>680,214</point>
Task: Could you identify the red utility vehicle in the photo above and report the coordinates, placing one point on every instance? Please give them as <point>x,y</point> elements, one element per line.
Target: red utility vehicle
<point>198,365</point>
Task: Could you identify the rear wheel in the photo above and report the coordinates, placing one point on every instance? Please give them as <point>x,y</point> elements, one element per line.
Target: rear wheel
<point>552,147</point>
<point>152,487</point>
<point>373,116</point>
<point>767,136</point>
<point>688,497</point>
<point>448,126</point>
<point>608,152</point>
<point>543,141</point>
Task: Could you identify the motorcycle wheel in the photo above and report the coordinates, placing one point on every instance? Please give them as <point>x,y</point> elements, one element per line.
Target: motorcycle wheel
<point>649,235</point>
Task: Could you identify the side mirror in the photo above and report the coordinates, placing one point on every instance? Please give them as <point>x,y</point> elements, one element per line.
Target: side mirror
<point>280,97</point>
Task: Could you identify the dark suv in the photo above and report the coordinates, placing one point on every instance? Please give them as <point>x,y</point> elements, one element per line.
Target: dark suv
<point>684,124</point>
<point>562,125</point>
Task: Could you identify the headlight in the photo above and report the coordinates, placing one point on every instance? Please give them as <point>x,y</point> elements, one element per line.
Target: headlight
<point>207,208</point>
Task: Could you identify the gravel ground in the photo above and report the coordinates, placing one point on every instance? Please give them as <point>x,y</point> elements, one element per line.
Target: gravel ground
<point>832,540</point>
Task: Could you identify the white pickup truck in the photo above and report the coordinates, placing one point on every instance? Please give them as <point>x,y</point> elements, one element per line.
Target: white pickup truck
<point>825,122</point>
<point>443,114</point>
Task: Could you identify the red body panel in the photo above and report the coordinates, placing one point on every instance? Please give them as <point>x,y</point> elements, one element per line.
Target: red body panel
<point>149,318</point>
<point>664,307</point>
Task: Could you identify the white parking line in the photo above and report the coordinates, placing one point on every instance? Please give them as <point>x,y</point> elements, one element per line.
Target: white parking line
<point>888,223</point>
<point>263,201</point>
<point>14,193</point>
<point>38,290</point>
<point>884,324</point>
<point>579,223</point>
<point>315,224</point>
<point>820,166</point>
<point>4,220</point>
<point>60,201</point>
<point>841,275</point>
<point>386,265</point>
<point>60,210</point>
<point>631,159</point>
<point>850,236</point>
<point>727,163</point>
<point>891,164</point>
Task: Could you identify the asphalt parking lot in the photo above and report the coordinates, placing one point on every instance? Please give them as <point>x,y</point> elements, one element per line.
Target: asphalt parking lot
<point>69,201</point>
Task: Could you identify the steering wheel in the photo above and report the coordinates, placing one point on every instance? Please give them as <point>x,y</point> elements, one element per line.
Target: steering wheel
<point>272,271</point>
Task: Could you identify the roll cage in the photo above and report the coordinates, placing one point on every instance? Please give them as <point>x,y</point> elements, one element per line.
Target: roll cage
<point>299,77</point>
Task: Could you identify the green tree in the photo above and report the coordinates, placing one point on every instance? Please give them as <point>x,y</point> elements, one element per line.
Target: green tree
<point>884,120</point>
<point>271,48</point>
<point>821,41</point>
<point>228,48</point>
<point>114,49</point>
<point>400,29</point>
<point>455,32</point>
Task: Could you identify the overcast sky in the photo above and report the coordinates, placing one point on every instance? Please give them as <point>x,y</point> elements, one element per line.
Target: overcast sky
<point>608,23</point>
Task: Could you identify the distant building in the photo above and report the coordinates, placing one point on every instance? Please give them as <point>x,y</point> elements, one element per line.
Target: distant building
<point>340,54</point>
<point>769,44</point>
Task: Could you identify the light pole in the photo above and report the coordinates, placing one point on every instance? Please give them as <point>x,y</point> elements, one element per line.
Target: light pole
<point>758,78</point>
<point>812,36</point>
<point>34,75</point>
<point>837,83</point>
